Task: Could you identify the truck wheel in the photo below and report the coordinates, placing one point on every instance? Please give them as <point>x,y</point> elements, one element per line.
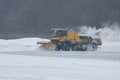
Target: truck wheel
<point>94,46</point>
<point>57,48</point>
<point>89,47</point>
<point>66,47</point>
<point>72,48</point>
<point>84,47</point>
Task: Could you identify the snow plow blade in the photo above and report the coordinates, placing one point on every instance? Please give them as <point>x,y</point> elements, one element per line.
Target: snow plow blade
<point>49,46</point>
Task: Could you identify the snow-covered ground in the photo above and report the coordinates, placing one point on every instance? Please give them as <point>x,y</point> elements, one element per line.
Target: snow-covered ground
<point>20,67</point>
<point>22,59</point>
<point>18,61</point>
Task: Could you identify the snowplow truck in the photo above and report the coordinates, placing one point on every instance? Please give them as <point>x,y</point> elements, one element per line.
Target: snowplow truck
<point>65,40</point>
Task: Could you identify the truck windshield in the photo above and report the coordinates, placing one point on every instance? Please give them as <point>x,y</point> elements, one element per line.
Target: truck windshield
<point>56,33</point>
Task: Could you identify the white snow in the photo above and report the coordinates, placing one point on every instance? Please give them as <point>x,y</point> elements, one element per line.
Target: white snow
<point>23,44</point>
<point>20,67</point>
<point>33,67</point>
<point>109,33</point>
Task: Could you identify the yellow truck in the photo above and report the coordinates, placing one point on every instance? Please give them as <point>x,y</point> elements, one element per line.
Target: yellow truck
<point>62,39</point>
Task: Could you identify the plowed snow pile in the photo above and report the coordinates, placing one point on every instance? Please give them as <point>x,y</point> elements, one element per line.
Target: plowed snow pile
<point>23,44</point>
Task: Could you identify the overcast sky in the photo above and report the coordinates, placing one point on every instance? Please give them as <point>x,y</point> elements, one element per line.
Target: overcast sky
<point>19,18</point>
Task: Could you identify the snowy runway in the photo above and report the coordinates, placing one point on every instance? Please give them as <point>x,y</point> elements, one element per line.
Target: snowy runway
<point>23,60</point>
<point>20,67</point>
<point>99,55</point>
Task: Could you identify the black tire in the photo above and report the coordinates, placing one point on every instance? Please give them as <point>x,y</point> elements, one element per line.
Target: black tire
<point>66,46</point>
<point>57,48</point>
<point>85,47</point>
<point>94,46</point>
<point>89,47</point>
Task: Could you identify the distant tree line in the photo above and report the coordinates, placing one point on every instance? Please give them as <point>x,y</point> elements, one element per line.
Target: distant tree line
<point>28,18</point>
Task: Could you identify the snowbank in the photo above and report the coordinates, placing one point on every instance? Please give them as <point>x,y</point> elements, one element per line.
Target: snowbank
<point>23,44</point>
